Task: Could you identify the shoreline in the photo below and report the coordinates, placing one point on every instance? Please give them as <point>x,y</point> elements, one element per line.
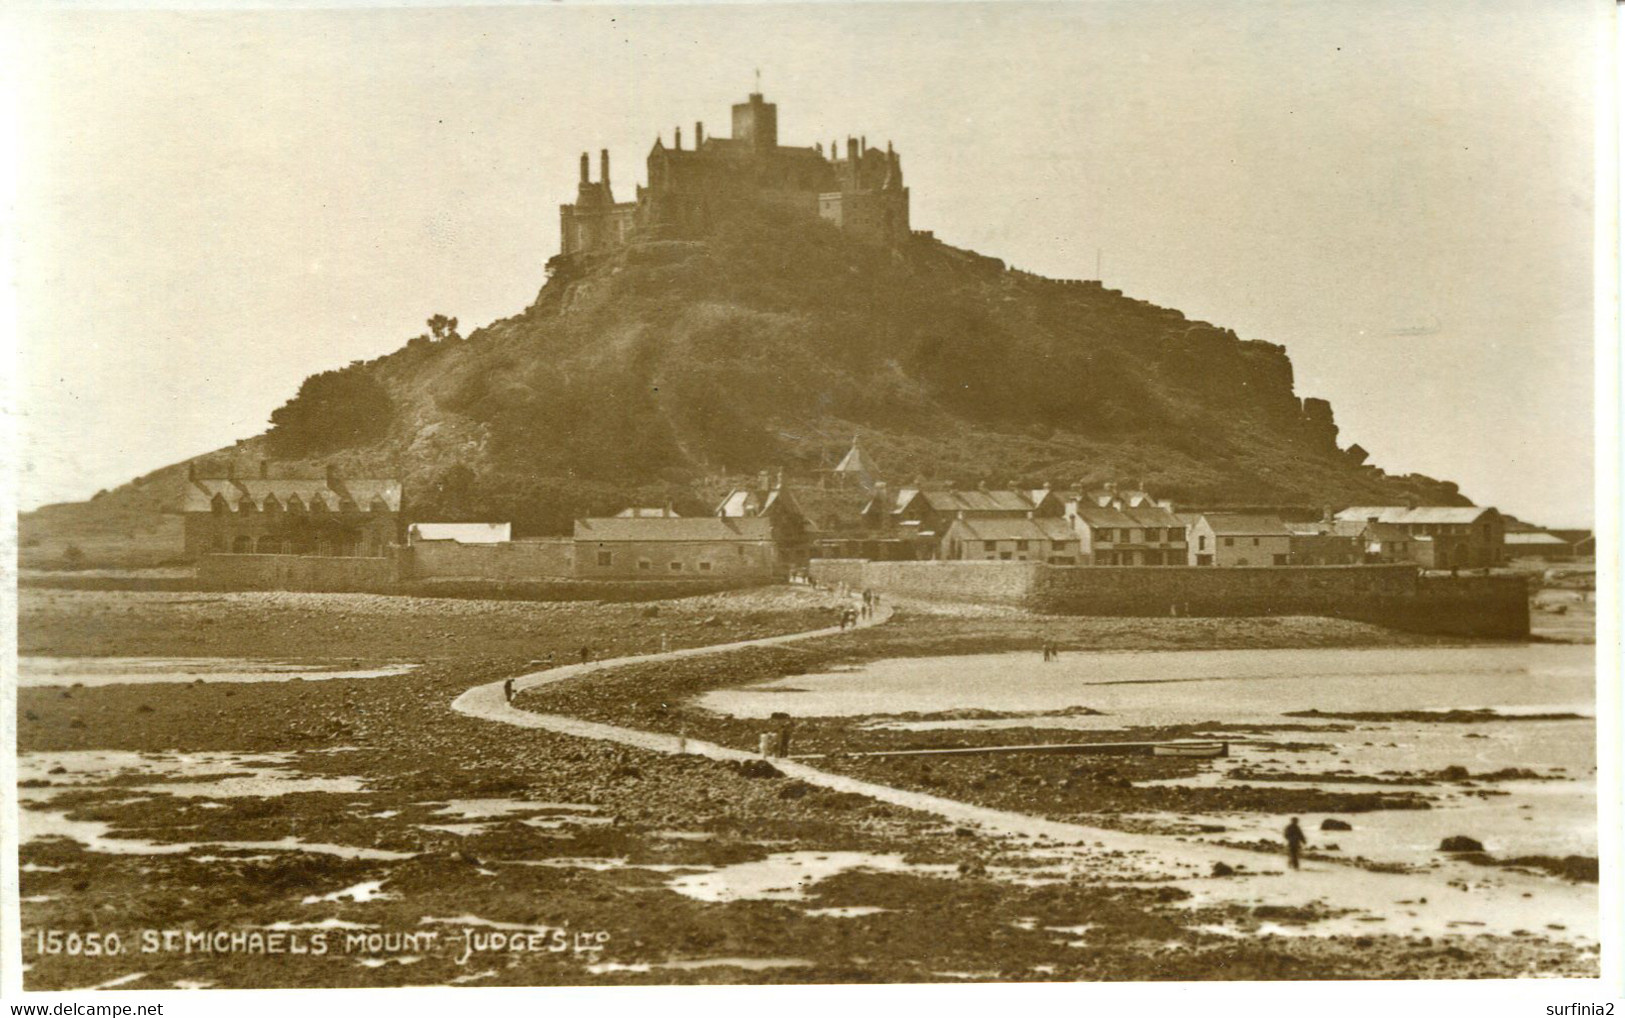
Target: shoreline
<point>653,817</point>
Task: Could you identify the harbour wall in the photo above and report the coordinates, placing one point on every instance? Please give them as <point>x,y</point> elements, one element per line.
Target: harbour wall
<point>1393,595</point>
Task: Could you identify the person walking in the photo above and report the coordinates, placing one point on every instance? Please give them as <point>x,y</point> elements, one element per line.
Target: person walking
<point>586,654</point>
<point>1295,840</point>
<point>507,689</point>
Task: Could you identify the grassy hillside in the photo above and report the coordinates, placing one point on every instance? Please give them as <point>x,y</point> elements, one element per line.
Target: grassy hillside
<point>658,373</point>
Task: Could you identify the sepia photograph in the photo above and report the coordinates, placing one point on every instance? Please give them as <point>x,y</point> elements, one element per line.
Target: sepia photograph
<point>589,495</point>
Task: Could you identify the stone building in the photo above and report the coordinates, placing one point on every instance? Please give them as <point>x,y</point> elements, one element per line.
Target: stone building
<point>1043,539</point>
<point>769,499</point>
<point>267,515</point>
<point>1145,534</point>
<point>1464,537</point>
<point>1233,539</point>
<point>861,190</point>
<point>676,548</point>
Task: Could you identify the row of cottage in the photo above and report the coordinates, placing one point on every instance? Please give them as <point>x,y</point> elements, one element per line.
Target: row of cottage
<point>1112,527</point>
<point>761,531</point>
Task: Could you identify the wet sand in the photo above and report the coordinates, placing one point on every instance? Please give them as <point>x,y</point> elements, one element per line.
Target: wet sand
<point>526,832</point>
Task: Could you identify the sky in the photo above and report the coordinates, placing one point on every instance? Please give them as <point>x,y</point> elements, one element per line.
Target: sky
<point>213,205</point>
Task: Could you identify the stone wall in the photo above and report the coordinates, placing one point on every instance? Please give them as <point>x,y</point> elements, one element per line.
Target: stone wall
<point>509,560</point>
<point>1391,595</point>
<point>296,572</point>
<point>834,571</point>
<point>1338,591</point>
<point>942,580</point>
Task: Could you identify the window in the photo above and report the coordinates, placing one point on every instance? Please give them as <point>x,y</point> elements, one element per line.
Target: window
<point>1201,542</point>
<point>1107,534</point>
<point>1004,555</point>
<point>676,567</point>
<point>1021,545</point>
<point>1153,534</point>
<point>705,567</point>
<point>1280,560</point>
<point>606,558</point>
<point>1229,542</point>
<point>1255,542</point>
<point>644,565</point>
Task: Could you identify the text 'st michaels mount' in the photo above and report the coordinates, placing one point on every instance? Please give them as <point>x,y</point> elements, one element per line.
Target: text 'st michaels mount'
<point>862,192</point>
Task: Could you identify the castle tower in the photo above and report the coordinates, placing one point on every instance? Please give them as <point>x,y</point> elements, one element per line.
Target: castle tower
<point>757,123</point>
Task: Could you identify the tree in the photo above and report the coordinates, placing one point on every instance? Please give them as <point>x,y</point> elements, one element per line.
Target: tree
<point>332,410</point>
<point>444,329</point>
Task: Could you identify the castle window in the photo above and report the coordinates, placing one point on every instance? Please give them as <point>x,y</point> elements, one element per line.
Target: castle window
<point>676,567</point>
<point>705,567</point>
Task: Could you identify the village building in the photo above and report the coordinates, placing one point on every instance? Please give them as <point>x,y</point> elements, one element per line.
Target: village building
<point>1230,539</point>
<point>1050,540</point>
<point>856,469</point>
<point>1117,535</point>
<point>643,512</point>
<point>861,191</point>
<point>925,514</point>
<point>462,533</point>
<point>770,500</point>
<point>1538,544</point>
<point>1582,543</point>
<point>1463,537</point>
<point>267,515</point>
<point>676,548</point>
<point>1326,543</point>
<point>1389,543</point>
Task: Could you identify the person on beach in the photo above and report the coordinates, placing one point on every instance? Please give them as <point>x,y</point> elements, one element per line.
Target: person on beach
<point>1295,840</point>
<point>507,689</point>
<point>586,654</point>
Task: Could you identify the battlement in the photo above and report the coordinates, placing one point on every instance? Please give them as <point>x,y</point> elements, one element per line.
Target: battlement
<point>860,191</point>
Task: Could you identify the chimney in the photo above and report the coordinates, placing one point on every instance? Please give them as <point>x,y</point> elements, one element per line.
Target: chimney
<point>677,138</point>
<point>699,135</point>
<point>586,166</point>
<point>603,165</point>
<point>852,163</point>
<point>265,469</point>
<point>819,146</point>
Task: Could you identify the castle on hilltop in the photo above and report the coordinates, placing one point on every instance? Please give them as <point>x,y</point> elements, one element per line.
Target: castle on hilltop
<point>861,191</point>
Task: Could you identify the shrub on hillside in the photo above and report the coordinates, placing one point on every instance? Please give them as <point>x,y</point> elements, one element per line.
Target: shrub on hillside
<point>332,410</point>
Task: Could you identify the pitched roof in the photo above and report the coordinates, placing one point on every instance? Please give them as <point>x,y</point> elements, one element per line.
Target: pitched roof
<point>1104,516</point>
<point>462,533</point>
<point>1241,524</point>
<point>1151,515</point>
<point>363,491</point>
<point>1385,532</point>
<point>1536,537</point>
<point>644,511</point>
<point>855,462</point>
<point>1014,529</point>
<point>675,528</point>
<point>977,501</point>
<point>1415,514</point>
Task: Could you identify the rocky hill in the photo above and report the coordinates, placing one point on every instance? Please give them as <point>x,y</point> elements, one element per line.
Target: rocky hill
<point>664,370</point>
